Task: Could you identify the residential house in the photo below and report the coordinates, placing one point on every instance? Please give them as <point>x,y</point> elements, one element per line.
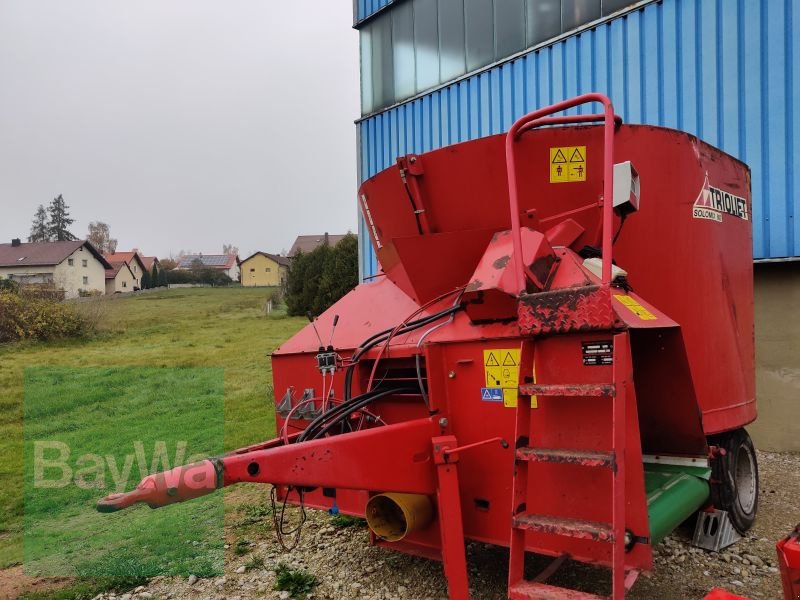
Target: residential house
<point>264,269</point>
<point>227,263</point>
<point>72,267</point>
<point>149,261</point>
<point>307,243</point>
<point>120,278</point>
<point>134,260</point>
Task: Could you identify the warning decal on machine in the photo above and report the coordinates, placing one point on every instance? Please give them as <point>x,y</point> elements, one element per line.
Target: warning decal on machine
<point>632,305</point>
<point>567,164</point>
<point>712,203</point>
<point>492,394</point>
<point>501,375</point>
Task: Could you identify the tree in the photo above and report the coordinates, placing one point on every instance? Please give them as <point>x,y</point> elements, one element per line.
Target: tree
<point>162,277</point>
<point>154,279</point>
<point>146,281</point>
<point>167,264</point>
<point>57,227</point>
<point>100,237</point>
<point>230,249</point>
<point>39,232</point>
<point>345,266</point>
<point>318,279</point>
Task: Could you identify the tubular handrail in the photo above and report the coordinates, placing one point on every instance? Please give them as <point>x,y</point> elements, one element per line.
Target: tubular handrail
<point>539,118</point>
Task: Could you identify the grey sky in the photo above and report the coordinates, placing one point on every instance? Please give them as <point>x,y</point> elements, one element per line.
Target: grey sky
<point>183,124</point>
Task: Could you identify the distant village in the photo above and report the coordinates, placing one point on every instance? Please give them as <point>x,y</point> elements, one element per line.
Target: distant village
<point>75,268</point>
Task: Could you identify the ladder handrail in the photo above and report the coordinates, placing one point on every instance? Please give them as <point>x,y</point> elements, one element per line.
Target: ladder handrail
<point>540,118</point>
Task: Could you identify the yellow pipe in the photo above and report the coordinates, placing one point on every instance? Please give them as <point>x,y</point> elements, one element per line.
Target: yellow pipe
<point>393,516</point>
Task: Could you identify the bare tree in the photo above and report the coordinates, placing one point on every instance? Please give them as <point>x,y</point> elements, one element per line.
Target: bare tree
<point>230,249</point>
<point>167,264</point>
<point>100,237</point>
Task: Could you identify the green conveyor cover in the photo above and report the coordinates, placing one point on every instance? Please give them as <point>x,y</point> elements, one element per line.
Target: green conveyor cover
<point>673,494</point>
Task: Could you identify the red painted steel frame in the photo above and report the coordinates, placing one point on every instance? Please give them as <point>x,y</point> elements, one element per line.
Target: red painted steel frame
<point>788,550</point>
<point>538,118</point>
<point>691,356</point>
<point>395,458</point>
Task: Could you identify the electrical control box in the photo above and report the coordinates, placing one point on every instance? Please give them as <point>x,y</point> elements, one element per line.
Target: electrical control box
<point>626,188</point>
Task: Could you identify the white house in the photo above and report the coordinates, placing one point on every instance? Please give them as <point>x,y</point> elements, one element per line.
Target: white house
<point>135,264</point>
<point>120,278</point>
<point>73,267</point>
<point>227,263</point>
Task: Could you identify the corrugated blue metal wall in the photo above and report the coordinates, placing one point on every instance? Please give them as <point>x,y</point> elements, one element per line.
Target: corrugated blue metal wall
<point>725,70</point>
<point>366,8</point>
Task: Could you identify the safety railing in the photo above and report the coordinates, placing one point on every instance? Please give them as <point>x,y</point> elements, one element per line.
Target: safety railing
<point>539,118</point>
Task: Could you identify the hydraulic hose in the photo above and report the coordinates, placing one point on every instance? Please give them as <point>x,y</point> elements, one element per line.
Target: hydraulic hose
<point>358,405</point>
<point>381,336</point>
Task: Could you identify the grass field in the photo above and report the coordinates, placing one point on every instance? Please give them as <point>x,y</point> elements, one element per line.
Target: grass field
<point>204,327</point>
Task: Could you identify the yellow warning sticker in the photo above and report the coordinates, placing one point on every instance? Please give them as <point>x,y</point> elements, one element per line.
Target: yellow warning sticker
<point>632,305</point>
<point>501,374</point>
<point>567,164</point>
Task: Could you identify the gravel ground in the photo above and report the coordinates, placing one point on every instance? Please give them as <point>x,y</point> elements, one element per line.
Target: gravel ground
<point>347,567</point>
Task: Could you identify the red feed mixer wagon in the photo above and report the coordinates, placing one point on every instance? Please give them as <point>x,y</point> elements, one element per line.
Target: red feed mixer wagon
<point>557,356</point>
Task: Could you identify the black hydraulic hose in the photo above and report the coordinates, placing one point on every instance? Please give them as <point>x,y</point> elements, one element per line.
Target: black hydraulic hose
<point>372,340</point>
<point>334,415</point>
<point>330,414</point>
<point>382,336</point>
<point>358,405</point>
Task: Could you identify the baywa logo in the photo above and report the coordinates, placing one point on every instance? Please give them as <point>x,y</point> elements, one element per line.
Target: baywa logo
<point>713,202</point>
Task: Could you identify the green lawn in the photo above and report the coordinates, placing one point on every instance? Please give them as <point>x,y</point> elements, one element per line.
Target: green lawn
<point>204,327</point>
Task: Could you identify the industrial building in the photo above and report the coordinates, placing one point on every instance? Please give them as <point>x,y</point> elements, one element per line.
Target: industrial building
<point>438,72</point>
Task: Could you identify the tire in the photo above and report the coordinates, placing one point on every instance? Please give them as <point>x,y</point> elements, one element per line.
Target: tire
<point>734,478</point>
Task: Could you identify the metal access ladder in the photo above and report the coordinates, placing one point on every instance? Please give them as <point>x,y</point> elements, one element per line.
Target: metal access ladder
<point>525,518</point>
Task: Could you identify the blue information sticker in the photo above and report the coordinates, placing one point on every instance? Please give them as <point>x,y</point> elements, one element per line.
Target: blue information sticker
<point>492,394</point>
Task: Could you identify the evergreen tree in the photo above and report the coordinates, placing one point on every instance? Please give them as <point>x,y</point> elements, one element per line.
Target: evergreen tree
<point>318,279</point>
<point>345,266</point>
<point>295,281</point>
<point>39,232</point>
<point>162,278</point>
<point>57,228</point>
<point>154,275</point>
<point>146,281</point>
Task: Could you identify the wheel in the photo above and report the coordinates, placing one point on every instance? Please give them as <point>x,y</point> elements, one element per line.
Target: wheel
<point>734,485</point>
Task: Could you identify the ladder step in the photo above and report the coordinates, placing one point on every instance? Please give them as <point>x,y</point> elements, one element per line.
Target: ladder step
<point>567,389</point>
<point>529,590</point>
<point>574,528</point>
<point>568,456</point>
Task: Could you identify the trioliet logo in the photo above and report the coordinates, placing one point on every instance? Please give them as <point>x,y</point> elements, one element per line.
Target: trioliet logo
<point>713,202</point>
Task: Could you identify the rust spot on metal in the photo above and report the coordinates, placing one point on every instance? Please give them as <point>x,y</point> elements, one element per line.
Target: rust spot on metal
<point>574,528</point>
<point>586,308</point>
<point>568,456</point>
<point>541,268</point>
<point>474,285</point>
<point>501,262</point>
<point>568,389</point>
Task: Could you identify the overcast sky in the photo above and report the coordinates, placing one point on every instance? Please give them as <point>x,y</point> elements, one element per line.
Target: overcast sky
<point>183,124</point>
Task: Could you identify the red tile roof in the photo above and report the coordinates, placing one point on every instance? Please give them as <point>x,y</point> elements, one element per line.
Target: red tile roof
<point>43,253</point>
<point>148,262</point>
<point>127,257</point>
<point>115,268</point>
